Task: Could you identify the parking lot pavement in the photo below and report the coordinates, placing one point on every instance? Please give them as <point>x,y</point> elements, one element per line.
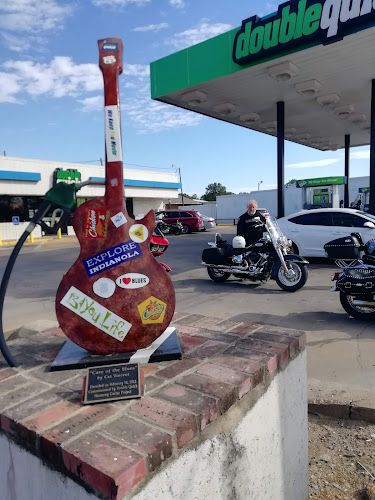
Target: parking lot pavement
<point>341,350</point>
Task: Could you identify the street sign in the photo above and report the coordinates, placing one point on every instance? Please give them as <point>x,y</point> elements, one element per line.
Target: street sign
<point>16,220</point>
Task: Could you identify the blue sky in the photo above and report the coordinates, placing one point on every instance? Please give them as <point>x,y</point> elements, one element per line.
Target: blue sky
<point>51,93</point>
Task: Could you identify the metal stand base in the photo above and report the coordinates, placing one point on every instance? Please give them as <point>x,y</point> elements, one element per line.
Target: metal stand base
<point>165,348</point>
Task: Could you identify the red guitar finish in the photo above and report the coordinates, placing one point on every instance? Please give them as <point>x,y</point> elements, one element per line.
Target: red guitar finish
<point>109,317</point>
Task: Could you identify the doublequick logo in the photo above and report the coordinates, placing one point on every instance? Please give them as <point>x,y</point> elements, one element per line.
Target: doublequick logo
<point>298,22</point>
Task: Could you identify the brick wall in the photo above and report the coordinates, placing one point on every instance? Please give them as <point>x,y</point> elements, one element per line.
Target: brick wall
<point>114,450</point>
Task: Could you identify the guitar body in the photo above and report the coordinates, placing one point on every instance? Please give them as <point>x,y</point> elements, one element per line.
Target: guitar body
<point>116,297</point>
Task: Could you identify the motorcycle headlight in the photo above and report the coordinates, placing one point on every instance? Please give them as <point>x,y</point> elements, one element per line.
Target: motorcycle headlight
<point>282,240</point>
<point>290,243</point>
<point>155,248</point>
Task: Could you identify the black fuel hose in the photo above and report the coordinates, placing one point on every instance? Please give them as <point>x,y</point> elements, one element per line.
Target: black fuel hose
<point>8,271</point>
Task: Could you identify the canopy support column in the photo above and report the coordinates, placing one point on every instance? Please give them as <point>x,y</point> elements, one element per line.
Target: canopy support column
<point>347,157</point>
<point>372,151</point>
<point>280,158</point>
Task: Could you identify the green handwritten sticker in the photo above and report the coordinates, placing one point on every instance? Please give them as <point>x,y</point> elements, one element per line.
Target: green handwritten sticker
<point>94,313</point>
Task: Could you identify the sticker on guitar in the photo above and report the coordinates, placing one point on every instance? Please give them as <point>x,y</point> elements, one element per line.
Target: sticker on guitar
<point>109,59</point>
<point>112,133</point>
<point>138,233</point>
<point>119,219</point>
<point>152,310</point>
<point>97,223</point>
<point>132,280</point>
<point>112,257</point>
<point>113,46</point>
<point>94,313</point>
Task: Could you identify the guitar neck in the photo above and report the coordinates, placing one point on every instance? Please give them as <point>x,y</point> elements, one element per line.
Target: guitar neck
<point>110,63</point>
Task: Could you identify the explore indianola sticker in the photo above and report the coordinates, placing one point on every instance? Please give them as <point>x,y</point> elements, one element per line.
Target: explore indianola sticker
<point>298,22</point>
<point>112,257</point>
<point>95,314</point>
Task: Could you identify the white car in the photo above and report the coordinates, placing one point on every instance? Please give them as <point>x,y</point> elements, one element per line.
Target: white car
<point>209,222</point>
<point>310,230</point>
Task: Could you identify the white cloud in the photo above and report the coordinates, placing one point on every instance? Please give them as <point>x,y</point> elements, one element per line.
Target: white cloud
<point>179,4</point>
<point>196,35</point>
<point>137,70</point>
<point>9,88</point>
<point>152,116</point>
<point>152,27</point>
<point>30,20</point>
<point>269,8</point>
<point>360,155</point>
<point>59,78</point>
<point>119,3</point>
<point>92,103</point>
<point>317,163</point>
<point>62,77</point>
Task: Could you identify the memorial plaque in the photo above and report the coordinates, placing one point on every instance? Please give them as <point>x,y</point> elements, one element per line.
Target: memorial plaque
<point>111,383</point>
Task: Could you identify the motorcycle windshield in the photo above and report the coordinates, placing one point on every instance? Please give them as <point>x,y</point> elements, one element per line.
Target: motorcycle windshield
<point>276,235</point>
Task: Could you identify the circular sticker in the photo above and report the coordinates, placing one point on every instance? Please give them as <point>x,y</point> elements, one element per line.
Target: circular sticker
<point>138,233</point>
<point>104,287</point>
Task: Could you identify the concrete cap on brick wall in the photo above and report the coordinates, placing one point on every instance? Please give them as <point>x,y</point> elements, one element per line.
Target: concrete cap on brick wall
<point>110,448</point>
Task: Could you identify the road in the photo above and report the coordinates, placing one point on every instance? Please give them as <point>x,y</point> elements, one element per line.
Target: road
<point>341,350</point>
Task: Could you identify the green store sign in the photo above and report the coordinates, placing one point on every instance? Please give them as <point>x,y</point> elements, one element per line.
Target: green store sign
<point>299,22</point>
<point>71,175</point>
<point>323,181</point>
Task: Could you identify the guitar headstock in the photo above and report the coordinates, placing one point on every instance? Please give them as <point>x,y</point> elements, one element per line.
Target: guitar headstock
<point>110,55</point>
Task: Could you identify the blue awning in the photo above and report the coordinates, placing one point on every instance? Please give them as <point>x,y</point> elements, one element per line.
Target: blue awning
<point>148,184</point>
<point>8,175</point>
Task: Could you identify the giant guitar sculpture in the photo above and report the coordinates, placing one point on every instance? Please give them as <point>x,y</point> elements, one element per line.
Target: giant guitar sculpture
<point>116,297</point>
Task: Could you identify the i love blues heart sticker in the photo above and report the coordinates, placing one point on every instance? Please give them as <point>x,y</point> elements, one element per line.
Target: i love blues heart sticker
<point>132,280</point>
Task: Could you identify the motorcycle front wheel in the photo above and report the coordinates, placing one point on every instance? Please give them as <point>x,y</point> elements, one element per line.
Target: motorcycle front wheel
<point>357,312</point>
<point>294,282</point>
<point>217,275</point>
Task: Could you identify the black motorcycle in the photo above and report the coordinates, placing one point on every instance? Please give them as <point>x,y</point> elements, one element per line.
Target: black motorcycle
<point>165,228</point>
<point>356,280</point>
<point>269,258</point>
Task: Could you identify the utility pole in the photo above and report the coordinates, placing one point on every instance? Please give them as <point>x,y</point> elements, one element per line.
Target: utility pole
<point>182,192</point>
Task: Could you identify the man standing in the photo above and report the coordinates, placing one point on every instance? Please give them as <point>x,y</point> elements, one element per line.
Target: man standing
<point>251,224</point>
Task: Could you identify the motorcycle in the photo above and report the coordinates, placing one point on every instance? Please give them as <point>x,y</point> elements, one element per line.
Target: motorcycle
<point>356,280</point>
<point>158,245</point>
<point>164,227</point>
<point>268,258</point>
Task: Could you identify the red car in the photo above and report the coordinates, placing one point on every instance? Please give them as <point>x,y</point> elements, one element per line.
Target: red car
<point>191,220</point>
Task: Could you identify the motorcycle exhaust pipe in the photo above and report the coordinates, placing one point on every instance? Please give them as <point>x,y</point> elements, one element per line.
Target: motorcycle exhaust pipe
<point>239,270</point>
<point>363,303</point>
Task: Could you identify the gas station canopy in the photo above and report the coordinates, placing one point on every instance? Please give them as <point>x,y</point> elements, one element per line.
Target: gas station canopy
<point>289,56</point>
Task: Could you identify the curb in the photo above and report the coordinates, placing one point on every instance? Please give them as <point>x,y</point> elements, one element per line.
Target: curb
<point>349,410</point>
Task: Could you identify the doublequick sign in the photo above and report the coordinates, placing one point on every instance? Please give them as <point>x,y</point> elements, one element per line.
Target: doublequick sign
<point>299,22</point>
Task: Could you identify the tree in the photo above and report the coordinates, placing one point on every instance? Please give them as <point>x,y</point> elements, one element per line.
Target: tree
<point>291,183</point>
<point>213,190</point>
<point>192,196</point>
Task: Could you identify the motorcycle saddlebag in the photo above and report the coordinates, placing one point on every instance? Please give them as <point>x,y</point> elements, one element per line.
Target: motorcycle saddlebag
<point>357,280</point>
<point>218,256</point>
<point>344,248</point>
